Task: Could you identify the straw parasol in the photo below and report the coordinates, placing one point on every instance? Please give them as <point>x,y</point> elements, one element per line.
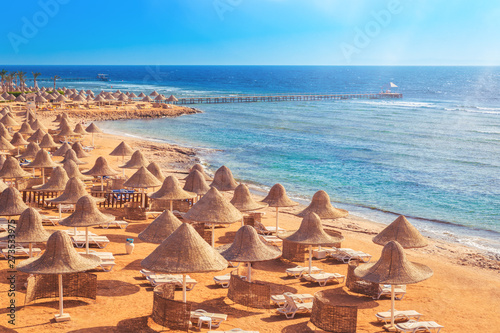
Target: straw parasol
<point>66,131</point>
<point>141,95</point>
<point>42,160</point>
<point>56,182</point>
<point>213,208</point>
<point>37,124</point>
<point>5,144</point>
<point>154,94</point>
<point>79,129</point>
<point>147,99</point>
<point>92,128</point>
<point>183,252</point>
<point>244,201</point>
<point>31,150</point>
<point>155,169</point>
<point>62,150</point>
<point>78,149</point>
<point>12,169</point>
<point>73,171</point>
<point>11,203</point>
<point>200,168</point>
<point>248,247</point>
<point>2,160</point>
<point>29,229</point>
<point>171,190</point>
<point>195,182</point>
<point>18,141</point>
<point>277,198</point>
<point>223,179</point>
<point>123,149</point>
<point>172,98</point>
<point>137,160</point>
<point>64,123</point>
<point>162,227</point>
<point>26,129</point>
<point>8,121</point>
<point>70,155</point>
<point>59,258</point>
<point>321,205</point>
<point>403,232</point>
<point>86,214</point>
<point>142,179</point>
<point>393,268</point>
<point>37,136</point>
<point>3,186</point>
<point>101,169</point>
<point>47,142</point>
<point>4,132</point>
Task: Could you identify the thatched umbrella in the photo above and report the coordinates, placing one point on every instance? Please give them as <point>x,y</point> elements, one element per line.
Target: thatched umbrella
<point>47,142</point>
<point>213,208</point>
<point>244,201</point>
<point>59,258</point>
<point>62,150</point>
<point>101,169</point>
<point>79,129</point>
<point>277,198</point>
<point>4,132</point>
<point>172,98</point>
<point>248,247</point>
<point>154,94</point>
<point>137,160</point>
<point>403,232</point>
<point>183,252</point>
<point>195,182</point>
<point>64,123</point>
<point>393,268</point>
<point>162,227</point>
<point>70,155</point>
<point>12,170</point>
<point>142,179</point>
<point>2,160</point>
<point>200,168</point>
<point>142,95</point>
<point>78,149</point>
<point>123,149</point>
<point>37,136</point>
<point>321,205</point>
<point>3,186</point>
<point>29,229</point>
<point>56,182</point>
<point>18,141</point>
<point>155,169</point>
<point>31,150</point>
<point>86,214</point>
<point>147,99</point>
<point>92,128</point>
<point>8,121</point>
<point>26,129</point>
<point>11,203</point>
<point>42,160</point>
<point>37,124</point>
<point>73,171</point>
<point>171,190</point>
<point>223,179</point>
<point>311,233</point>
<point>5,144</point>
<point>67,131</point>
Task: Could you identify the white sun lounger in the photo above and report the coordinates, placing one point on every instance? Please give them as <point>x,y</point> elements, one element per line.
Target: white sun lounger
<point>279,300</point>
<point>100,241</point>
<point>297,272</point>
<point>323,278</point>
<point>273,240</point>
<point>4,227</point>
<point>54,220</point>
<point>217,318</point>
<point>71,232</point>
<point>153,214</point>
<point>385,289</point>
<point>223,280</point>
<point>398,315</point>
<point>156,280</point>
<point>21,251</point>
<point>120,224</point>
<point>107,259</point>
<point>419,326</point>
<point>346,255</point>
<point>291,307</point>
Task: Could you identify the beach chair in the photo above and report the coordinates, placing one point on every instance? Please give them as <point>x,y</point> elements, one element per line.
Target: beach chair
<point>323,278</point>
<point>398,315</point>
<point>346,255</point>
<point>291,307</point>
<point>413,326</point>
<point>67,208</point>
<point>223,280</point>
<point>153,214</point>
<point>176,279</point>
<point>99,241</point>
<point>120,224</point>
<point>53,220</point>
<point>71,232</point>
<point>107,259</point>
<point>216,318</point>
<point>20,251</point>
<point>385,289</point>
<point>297,272</point>
<point>4,226</point>
<point>279,300</point>
<point>273,240</point>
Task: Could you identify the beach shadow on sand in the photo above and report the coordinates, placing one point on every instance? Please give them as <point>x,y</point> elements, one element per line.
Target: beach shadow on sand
<point>111,288</point>
<point>137,228</point>
<point>227,238</point>
<point>133,266</point>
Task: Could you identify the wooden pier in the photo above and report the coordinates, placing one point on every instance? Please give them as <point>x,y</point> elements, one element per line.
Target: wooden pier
<point>282,98</point>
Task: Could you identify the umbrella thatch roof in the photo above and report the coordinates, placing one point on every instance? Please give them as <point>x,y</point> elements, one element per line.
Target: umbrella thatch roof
<point>195,182</point>
<point>142,178</point>
<point>403,232</point>
<point>59,258</point>
<point>4,132</point>
<point>26,128</point>
<point>213,208</point>
<point>5,144</point>
<point>18,140</point>
<point>70,155</point>
<point>3,186</point>
<point>11,203</point>
<point>101,168</point>
<point>142,95</point>
<point>277,197</point>
<point>136,161</point>
<point>311,233</point>
<point>321,205</point>
<point>57,181</point>
<point>155,169</point>
<point>223,179</point>
<point>8,121</point>
<point>31,150</point>
<point>123,149</point>
<point>78,149</point>
<point>79,129</point>
<point>184,251</point>
<point>37,136</point>
<point>29,228</point>
<point>393,268</point>
<point>37,124</point>
<point>200,168</point>
<point>73,171</point>
<point>154,93</point>
<point>67,131</point>
<point>162,227</point>
<point>147,99</point>
<point>42,160</point>
<point>244,201</point>
<point>12,169</point>
<point>62,150</point>
<point>74,190</point>
<point>47,142</point>
<point>171,190</point>
<point>86,214</point>
<point>248,247</point>
<point>172,98</point>
<point>92,128</point>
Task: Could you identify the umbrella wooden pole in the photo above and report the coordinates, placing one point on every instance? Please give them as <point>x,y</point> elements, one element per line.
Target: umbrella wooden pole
<point>249,268</point>
<point>213,235</point>
<point>61,316</point>
<point>277,221</point>
<point>43,175</point>
<point>242,221</point>
<point>60,213</point>
<point>31,250</point>
<point>172,205</point>
<point>392,306</point>
<point>102,183</point>
<point>310,258</point>
<point>87,251</point>
<point>184,288</point>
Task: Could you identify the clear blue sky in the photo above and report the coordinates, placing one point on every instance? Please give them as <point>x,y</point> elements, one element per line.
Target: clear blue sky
<point>250,32</point>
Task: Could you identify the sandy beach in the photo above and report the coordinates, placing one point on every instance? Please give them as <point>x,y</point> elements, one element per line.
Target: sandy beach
<point>463,295</point>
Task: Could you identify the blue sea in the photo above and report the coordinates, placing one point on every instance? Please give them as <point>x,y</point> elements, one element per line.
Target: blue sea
<point>433,156</point>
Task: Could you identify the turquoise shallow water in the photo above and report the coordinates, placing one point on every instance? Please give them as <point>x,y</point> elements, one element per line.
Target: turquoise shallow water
<point>433,155</point>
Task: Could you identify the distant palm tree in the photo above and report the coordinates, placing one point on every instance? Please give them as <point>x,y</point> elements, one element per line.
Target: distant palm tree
<point>35,75</point>
<point>22,79</point>
<point>55,78</point>
<point>3,75</point>
<point>10,80</point>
